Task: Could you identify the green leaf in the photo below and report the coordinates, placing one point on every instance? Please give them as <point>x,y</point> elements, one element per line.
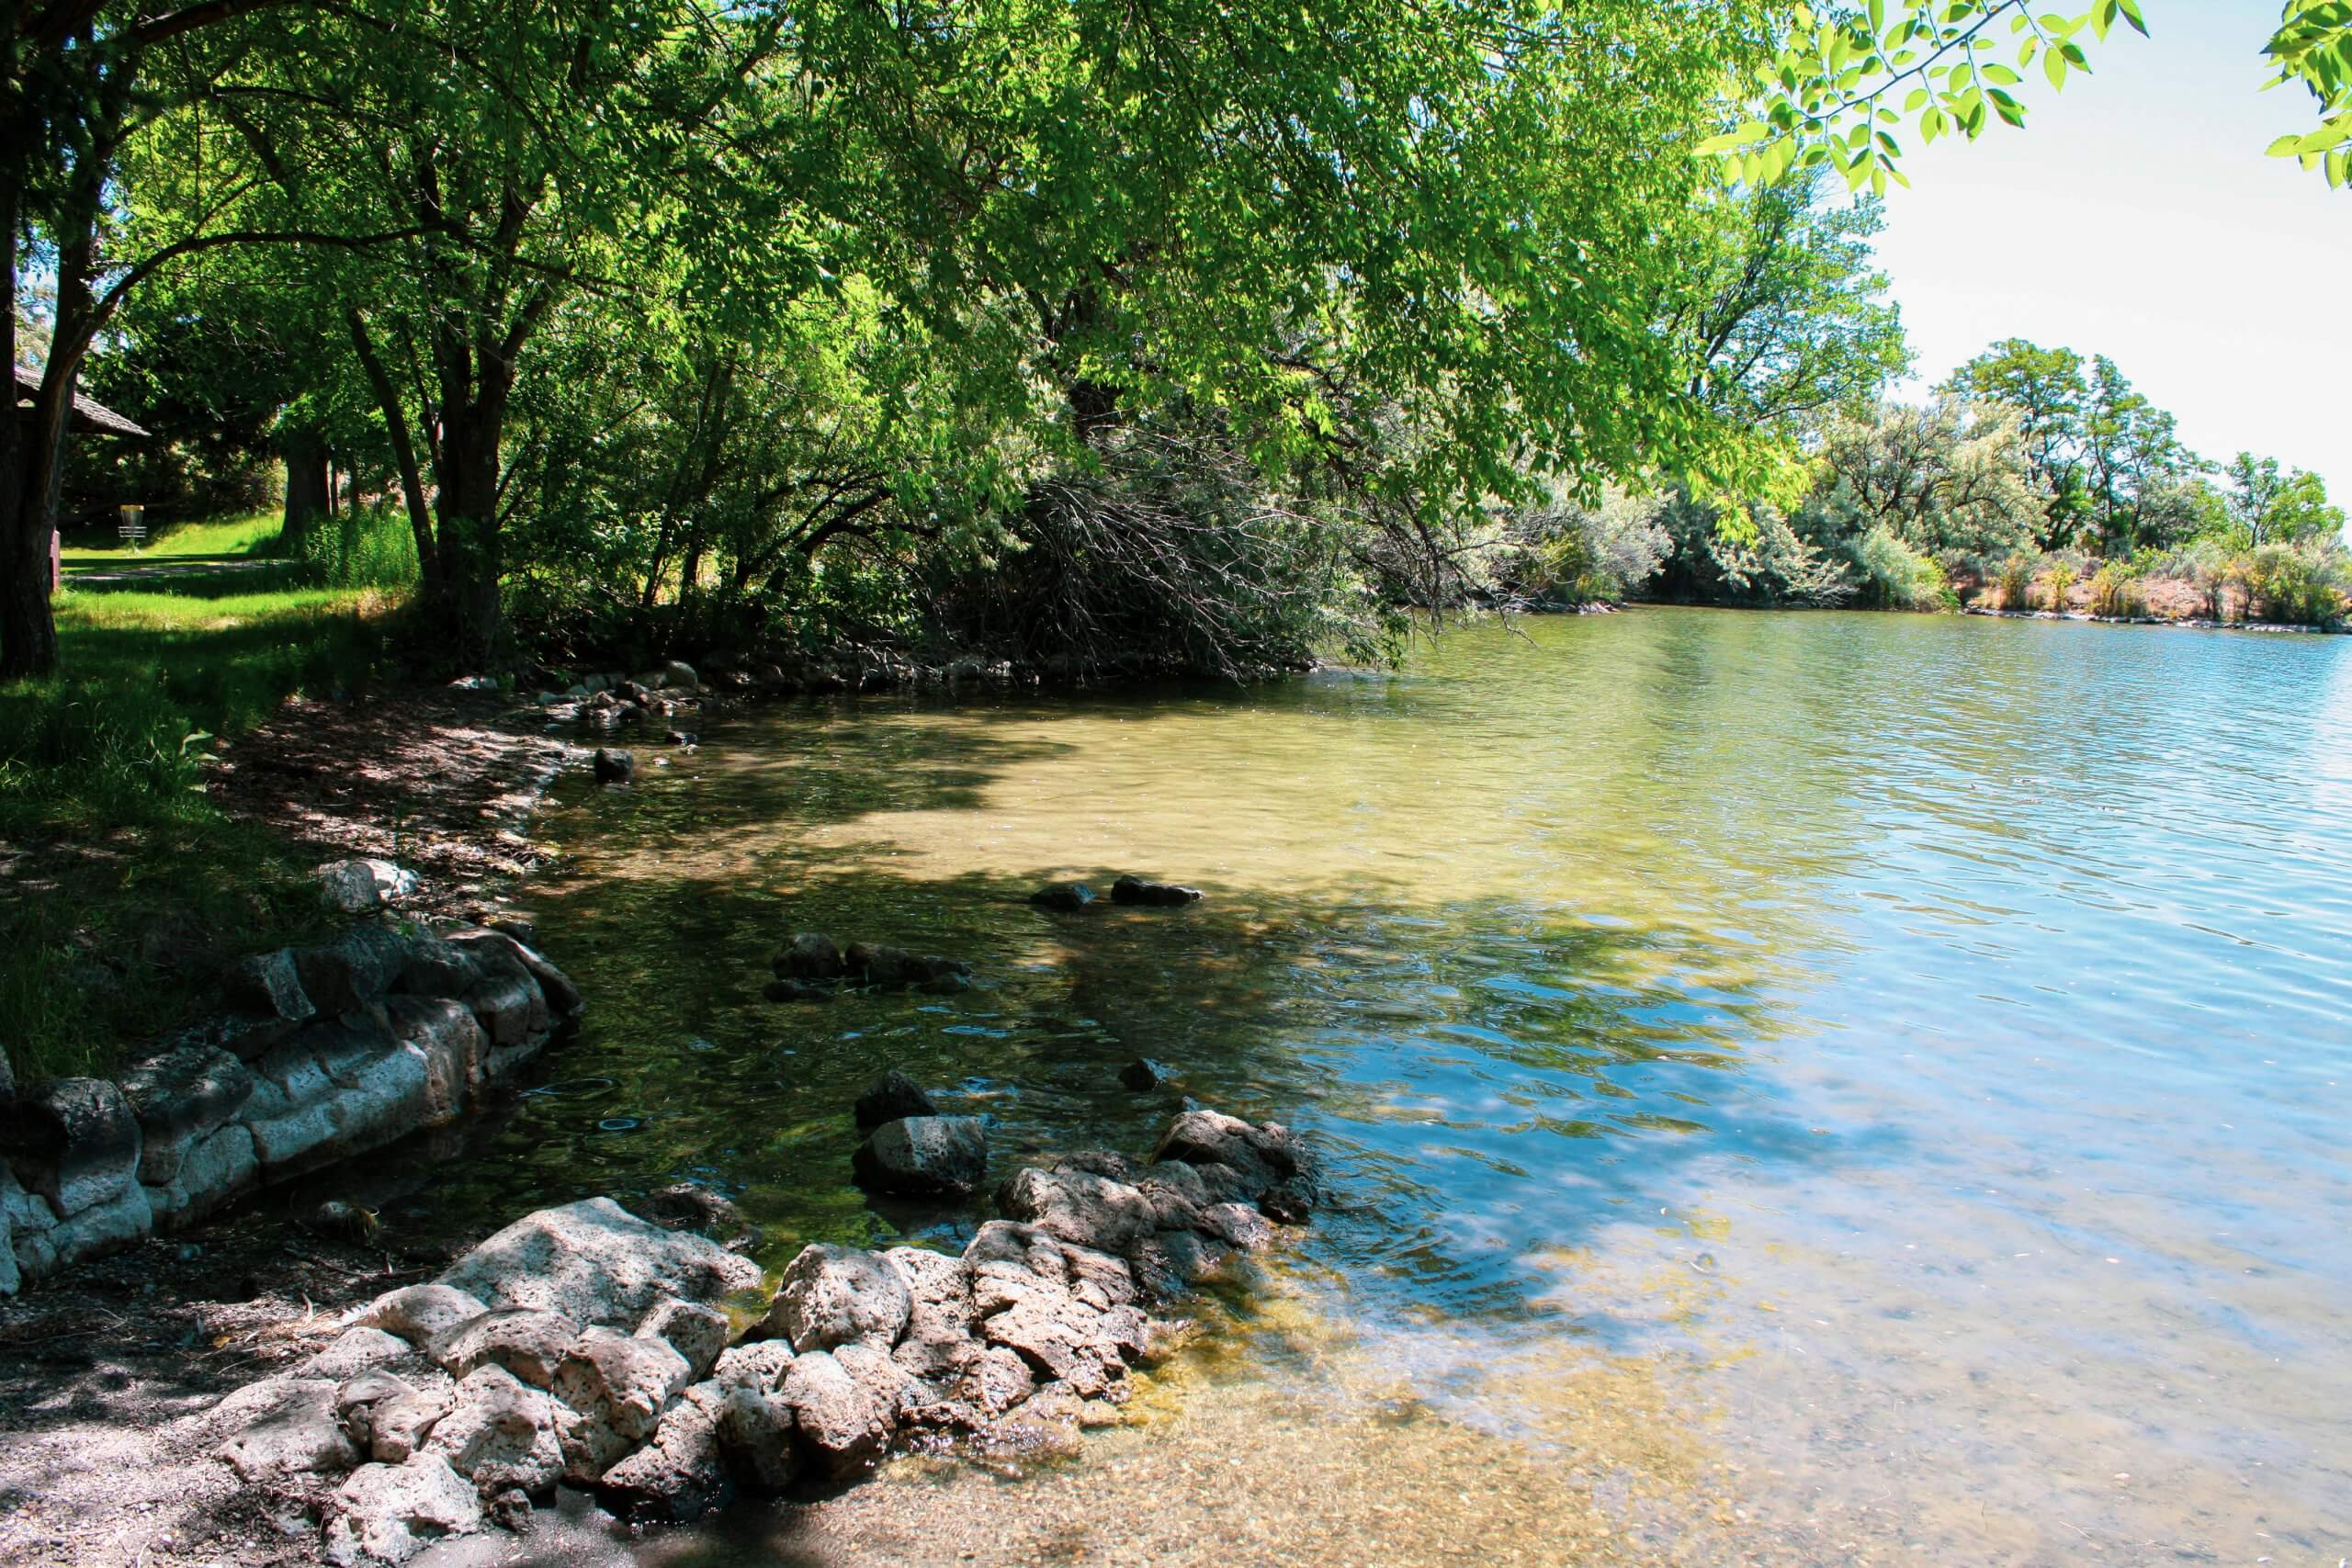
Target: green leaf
<point>2054,65</point>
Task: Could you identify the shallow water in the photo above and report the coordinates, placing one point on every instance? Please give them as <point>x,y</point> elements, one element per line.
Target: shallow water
<point>1809,1087</point>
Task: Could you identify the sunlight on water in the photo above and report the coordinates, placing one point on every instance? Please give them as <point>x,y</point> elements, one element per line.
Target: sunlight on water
<point>1798,1087</point>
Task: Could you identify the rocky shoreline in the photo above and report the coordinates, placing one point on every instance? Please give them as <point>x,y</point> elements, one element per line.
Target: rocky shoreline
<point>582,1347</point>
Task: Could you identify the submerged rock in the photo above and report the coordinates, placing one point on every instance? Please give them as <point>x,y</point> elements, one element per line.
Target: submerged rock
<point>924,1157</point>
<point>1136,890</point>
<point>811,955</point>
<point>1065,897</point>
<point>787,989</point>
<point>895,968</point>
<point>614,766</point>
<point>1142,1074</point>
<point>893,1095</point>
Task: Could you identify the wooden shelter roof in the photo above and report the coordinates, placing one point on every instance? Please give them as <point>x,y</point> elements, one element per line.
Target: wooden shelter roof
<point>91,417</point>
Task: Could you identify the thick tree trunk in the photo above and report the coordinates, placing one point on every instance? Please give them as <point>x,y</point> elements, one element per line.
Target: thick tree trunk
<point>308,491</point>
<point>467,592</point>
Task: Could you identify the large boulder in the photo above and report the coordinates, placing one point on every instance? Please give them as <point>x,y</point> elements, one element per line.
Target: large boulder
<point>268,986</point>
<point>357,1350</point>
<point>893,1095</point>
<point>73,1141</point>
<point>352,970</point>
<point>398,1426</point>
<point>386,1514</point>
<point>924,1157</point>
<point>500,1433</point>
<point>758,1436</point>
<point>217,1168</point>
<point>1264,1156</point>
<point>1079,1206</point>
<point>594,1261</point>
<point>836,1295</point>
<point>1062,1337</point>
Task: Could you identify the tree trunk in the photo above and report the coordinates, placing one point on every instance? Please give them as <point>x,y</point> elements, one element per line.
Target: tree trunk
<point>396,428</point>
<point>467,592</point>
<point>308,491</point>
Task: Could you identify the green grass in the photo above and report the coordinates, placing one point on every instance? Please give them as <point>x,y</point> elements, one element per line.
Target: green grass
<point>217,539</point>
<point>127,868</point>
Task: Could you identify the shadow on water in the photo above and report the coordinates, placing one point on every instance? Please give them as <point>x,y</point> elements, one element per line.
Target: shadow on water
<point>1489,1078</point>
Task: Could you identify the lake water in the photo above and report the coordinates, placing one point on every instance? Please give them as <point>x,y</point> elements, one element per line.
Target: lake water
<point>1797,1088</point>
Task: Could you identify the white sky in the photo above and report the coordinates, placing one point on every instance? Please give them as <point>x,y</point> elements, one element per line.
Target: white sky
<point>2136,215</point>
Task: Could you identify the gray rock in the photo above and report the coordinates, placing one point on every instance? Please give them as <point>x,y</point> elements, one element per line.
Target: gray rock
<point>758,1436</point>
<point>500,1433</point>
<point>810,955</point>
<point>1170,1262</point>
<point>355,1351</point>
<point>687,1206</point>
<point>924,1156</point>
<point>357,887</point>
<point>791,990</point>
<point>594,1261</point>
<point>1238,1225</point>
<point>999,1379</point>
<point>386,1514</point>
<point>529,1343</point>
<point>678,673</point>
<point>1136,890</point>
<point>759,1366</point>
<point>1264,1156</point>
<point>180,1097</point>
<point>1099,1280</point>
<point>677,1477</point>
<point>886,1384</point>
<point>105,1228</point>
<point>1060,1337</point>
<point>357,1396</point>
<point>510,1006</point>
<point>73,1141</point>
<point>1176,1193</point>
<point>842,1431</point>
<point>268,986</point>
<point>615,1386</point>
<point>353,970</point>
<point>1066,897</point>
<point>834,1295</point>
<point>420,1312</point>
<point>1290,1202</point>
<point>695,1332</point>
<point>286,1427</point>
<point>894,968</point>
<point>938,1342</point>
<point>453,1045</point>
<point>1009,1260</point>
<point>398,1426</point>
<point>438,968</point>
<point>1078,1206</point>
<point>221,1166</point>
<point>614,766</point>
<point>893,1097</point>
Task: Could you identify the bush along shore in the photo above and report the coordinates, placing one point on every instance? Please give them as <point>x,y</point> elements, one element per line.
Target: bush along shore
<point>584,1347</point>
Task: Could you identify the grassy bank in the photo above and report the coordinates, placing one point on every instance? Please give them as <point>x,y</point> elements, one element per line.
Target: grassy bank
<point>122,885</point>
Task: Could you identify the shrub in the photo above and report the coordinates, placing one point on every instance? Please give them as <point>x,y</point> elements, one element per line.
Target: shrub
<point>2116,593</point>
<point>2295,586</point>
<point>1898,576</point>
<point>2061,582</point>
<point>2017,581</point>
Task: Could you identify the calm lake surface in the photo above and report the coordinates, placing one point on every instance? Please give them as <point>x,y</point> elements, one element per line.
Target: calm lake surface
<point>1807,1088</point>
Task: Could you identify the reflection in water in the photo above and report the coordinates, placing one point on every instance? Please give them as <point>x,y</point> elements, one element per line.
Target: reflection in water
<point>1799,1088</point>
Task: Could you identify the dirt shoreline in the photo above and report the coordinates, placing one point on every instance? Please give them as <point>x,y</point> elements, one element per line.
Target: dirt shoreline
<point>107,1368</point>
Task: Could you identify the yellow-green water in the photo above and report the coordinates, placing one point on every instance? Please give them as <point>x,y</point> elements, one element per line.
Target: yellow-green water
<point>1796,1087</point>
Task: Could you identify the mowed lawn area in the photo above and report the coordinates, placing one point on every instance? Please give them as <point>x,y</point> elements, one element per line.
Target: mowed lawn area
<point>117,875</point>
